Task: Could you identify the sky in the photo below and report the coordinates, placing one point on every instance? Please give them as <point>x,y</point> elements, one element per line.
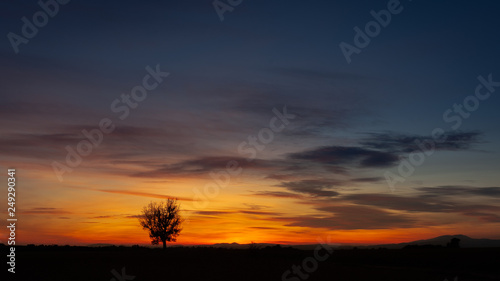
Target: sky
<point>276,121</point>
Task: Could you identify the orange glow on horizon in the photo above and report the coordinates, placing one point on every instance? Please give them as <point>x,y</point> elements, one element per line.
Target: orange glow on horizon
<point>106,208</point>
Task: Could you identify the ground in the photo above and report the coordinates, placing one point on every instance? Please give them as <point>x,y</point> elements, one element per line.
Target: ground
<point>186,263</point>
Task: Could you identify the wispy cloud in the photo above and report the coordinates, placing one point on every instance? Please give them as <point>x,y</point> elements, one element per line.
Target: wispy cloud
<point>355,217</point>
<point>44,211</point>
<point>404,143</point>
<point>341,155</point>
<point>319,188</point>
<point>493,191</point>
<point>135,193</point>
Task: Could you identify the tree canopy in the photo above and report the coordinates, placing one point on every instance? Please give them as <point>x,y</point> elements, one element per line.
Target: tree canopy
<point>163,221</point>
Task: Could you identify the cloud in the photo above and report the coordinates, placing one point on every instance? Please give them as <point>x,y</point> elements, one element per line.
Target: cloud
<point>485,217</point>
<point>144,194</point>
<point>380,150</point>
<point>278,194</point>
<point>428,201</point>
<point>344,155</point>
<point>39,146</point>
<point>387,211</point>
<point>259,213</point>
<point>246,212</point>
<point>102,217</point>
<point>135,193</point>
<point>133,216</point>
<point>316,188</point>
<point>368,179</point>
<point>264,228</point>
<point>400,203</point>
<point>23,109</point>
<point>255,207</point>
<point>355,217</point>
<point>44,211</point>
<point>212,213</point>
<point>124,144</point>
<point>205,165</point>
<point>485,191</point>
<point>197,166</point>
<point>314,74</point>
<point>461,190</point>
<point>396,142</point>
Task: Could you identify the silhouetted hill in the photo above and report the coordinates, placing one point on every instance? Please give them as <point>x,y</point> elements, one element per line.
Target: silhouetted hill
<point>465,242</point>
<point>101,245</point>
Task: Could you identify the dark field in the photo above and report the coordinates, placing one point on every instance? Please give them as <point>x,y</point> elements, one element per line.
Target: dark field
<point>186,263</point>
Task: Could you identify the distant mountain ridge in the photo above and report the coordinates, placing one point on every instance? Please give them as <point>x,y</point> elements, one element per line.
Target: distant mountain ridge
<point>97,245</point>
<point>465,241</point>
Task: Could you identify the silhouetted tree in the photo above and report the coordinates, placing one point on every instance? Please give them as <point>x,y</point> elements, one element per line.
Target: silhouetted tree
<point>454,243</point>
<point>162,220</point>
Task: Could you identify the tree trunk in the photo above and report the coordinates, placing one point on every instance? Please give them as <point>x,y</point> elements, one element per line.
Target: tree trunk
<point>164,244</point>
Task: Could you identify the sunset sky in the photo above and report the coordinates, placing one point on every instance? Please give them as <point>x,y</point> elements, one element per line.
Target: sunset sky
<point>318,173</point>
